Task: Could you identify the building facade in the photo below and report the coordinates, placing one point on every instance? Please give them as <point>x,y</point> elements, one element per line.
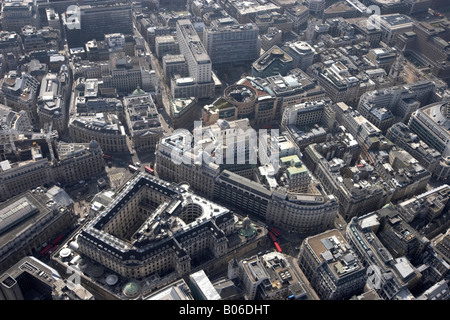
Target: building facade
<point>228,42</point>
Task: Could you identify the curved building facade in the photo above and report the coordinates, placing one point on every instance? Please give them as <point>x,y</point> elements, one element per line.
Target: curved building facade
<point>432,124</point>
<point>105,129</point>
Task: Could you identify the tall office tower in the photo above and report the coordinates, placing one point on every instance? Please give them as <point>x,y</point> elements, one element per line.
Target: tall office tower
<point>198,60</point>
<point>226,41</point>
<point>101,19</point>
<point>72,29</point>
<point>17,14</point>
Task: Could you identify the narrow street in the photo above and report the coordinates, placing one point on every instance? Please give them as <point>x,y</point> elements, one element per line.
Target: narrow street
<point>165,92</point>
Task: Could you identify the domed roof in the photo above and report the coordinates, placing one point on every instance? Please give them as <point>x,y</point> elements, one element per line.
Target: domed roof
<point>112,279</point>
<point>64,253</point>
<point>223,124</point>
<point>248,228</point>
<point>93,144</point>
<point>73,245</point>
<point>131,289</point>
<point>138,91</point>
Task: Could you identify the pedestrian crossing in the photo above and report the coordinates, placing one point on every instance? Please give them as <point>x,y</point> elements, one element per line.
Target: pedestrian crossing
<point>116,177</point>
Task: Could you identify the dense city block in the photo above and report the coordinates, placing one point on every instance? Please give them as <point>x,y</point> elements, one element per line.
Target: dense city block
<point>225,150</point>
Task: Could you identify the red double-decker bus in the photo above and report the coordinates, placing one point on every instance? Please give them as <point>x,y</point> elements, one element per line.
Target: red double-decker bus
<point>272,236</point>
<point>278,247</point>
<point>57,240</point>
<point>275,232</point>
<point>149,170</point>
<point>46,249</point>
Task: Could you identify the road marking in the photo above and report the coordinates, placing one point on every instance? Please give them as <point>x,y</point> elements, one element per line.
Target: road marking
<point>116,177</point>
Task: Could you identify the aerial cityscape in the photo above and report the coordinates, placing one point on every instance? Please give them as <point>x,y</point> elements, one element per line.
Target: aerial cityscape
<point>225,150</point>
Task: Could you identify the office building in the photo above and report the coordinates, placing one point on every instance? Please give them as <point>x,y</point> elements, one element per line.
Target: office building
<point>338,82</point>
<point>31,219</point>
<point>10,42</point>
<point>362,192</point>
<point>201,287</point>
<point>331,266</point>
<point>240,101</point>
<point>52,99</point>
<point>125,74</point>
<point>367,134</point>
<point>382,58</point>
<point>274,19</point>
<point>142,120</point>
<point>429,44</point>
<point>438,291</point>
<point>429,206</point>
<point>302,54</point>
<point>269,277</point>
<point>106,129</point>
<point>398,236</point>
<point>273,61</point>
<point>296,176</point>
<point>74,162</point>
<point>178,290</point>
<point>17,14</point>
<point>388,6</point>
<point>388,277</point>
<point>228,42</point>
<point>308,122</point>
<point>185,87</point>
<point>199,84</point>
<point>31,279</point>
<point>198,60</point>
<point>431,123</point>
<point>53,18</point>
<point>183,112</point>
<point>96,20</point>
<point>295,88</point>
<point>12,125</point>
<point>304,115</point>
<point>392,24</point>
<point>72,28</point>
<point>43,161</point>
<point>274,94</point>
<point>315,6</point>
<point>427,156</point>
<point>245,12</point>
<point>401,100</point>
<point>165,45</point>
<point>32,39</point>
<point>19,92</point>
<point>344,9</point>
<point>370,33</point>
<point>272,37</point>
<point>299,15</point>
<point>440,244</point>
<point>174,65</point>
